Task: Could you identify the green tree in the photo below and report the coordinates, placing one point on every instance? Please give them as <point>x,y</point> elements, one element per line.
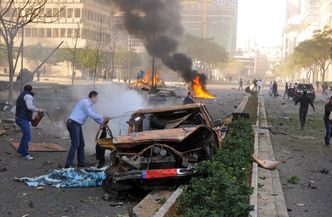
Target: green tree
<point>206,51</point>
<point>233,68</point>
<point>313,56</point>
<point>14,15</point>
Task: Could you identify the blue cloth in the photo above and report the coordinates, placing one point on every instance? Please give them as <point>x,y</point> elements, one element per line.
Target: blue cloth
<point>26,138</point>
<point>328,134</point>
<point>22,111</point>
<point>77,144</point>
<point>83,110</point>
<point>140,74</point>
<point>68,178</point>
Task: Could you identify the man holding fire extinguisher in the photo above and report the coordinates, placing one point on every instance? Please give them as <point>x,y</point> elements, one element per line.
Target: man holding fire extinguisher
<point>23,117</point>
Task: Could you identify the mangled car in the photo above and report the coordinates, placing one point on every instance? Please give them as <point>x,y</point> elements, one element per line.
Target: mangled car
<point>162,148</point>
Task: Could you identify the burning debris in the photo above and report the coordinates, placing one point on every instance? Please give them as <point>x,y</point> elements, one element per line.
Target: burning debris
<point>157,23</point>
<point>198,86</point>
<point>146,82</point>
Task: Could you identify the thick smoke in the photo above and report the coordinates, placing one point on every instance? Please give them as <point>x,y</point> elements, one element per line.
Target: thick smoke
<point>157,23</point>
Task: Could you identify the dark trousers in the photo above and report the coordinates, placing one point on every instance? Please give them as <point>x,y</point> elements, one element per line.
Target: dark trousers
<point>100,151</point>
<point>77,144</point>
<point>328,134</point>
<point>303,116</point>
<point>26,138</point>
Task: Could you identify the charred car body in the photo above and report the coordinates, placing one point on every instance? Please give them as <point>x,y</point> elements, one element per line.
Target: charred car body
<point>162,147</point>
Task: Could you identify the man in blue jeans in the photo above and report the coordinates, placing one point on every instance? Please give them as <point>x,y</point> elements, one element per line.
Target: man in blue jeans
<point>77,118</point>
<point>23,116</point>
<point>328,122</point>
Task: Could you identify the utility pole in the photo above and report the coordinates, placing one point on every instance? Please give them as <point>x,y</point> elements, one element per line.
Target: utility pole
<point>204,18</point>
<point>129,59</point>
<point>22,66</point>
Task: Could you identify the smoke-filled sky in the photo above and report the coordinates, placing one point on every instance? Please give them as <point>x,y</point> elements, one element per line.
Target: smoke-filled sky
<point>261,20</point>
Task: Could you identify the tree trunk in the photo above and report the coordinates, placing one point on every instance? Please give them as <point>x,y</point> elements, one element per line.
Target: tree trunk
<point>11,70</point>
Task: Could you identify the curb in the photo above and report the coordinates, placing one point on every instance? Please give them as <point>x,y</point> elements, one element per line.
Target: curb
<point>271,202</point>
<point>170,204</point>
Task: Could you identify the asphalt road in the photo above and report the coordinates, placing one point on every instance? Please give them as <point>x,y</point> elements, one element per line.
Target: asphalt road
<point>16,199</point>
<point>308,156</point>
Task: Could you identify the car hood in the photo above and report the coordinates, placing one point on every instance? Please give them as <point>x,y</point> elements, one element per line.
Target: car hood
<point>166,135</point>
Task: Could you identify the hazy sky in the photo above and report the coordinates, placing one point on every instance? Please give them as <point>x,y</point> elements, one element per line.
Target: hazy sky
<point>261,20</point>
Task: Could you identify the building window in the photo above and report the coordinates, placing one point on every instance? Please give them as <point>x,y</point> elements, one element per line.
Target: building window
<point>63,13</point>
<point>34,32</point>
<point>55,12</point>
<point>49,12</point>
<point>77,12</point>
<point>69,12</point>
<point>62,33</point>
<point>55,33</point>
<point>27,32</point>
<point>49,33</point>
<point>41,33</point>
<point>77,33</point>
<point>70,32</point>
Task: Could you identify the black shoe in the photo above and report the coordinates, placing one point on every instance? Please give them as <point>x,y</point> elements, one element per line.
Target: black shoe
<point>101,164</point>
<point>81,165</point>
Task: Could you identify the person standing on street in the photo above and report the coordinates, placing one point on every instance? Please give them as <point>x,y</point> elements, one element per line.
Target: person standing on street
<point>77,118</point>
<point>286,90</point>
<point>328,122</point>
<point>325,88</point>
<point>255,84</point>
<point>275,89</point>
<point>189,99</point>
<point>259,86</point>
<point>240,84</point>
<point>23,116</point>
<point>304,101</point>
<point>271,88</point>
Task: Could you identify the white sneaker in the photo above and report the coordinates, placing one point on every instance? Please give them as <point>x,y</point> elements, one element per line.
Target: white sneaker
<point>28,157</point>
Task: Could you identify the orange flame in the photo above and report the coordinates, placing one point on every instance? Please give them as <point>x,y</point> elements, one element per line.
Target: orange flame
<point>199,89</point>
<point>146,80</point>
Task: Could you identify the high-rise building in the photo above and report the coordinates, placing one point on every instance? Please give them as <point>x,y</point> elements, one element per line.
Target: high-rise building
<point>291,28</point>
<point>215,19</point>
<point>87,20</point>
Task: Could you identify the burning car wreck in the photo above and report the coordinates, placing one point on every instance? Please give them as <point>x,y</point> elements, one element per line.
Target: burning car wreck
<point>162,148</point>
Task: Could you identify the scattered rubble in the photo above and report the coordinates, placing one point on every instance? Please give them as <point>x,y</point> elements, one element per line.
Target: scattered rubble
<point>303,137</point>
<point>300,204</point>
<point>324,171</point>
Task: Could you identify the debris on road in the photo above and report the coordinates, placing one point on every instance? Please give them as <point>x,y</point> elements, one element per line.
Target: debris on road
<point>300,204</point>
<point>267,164</point>
<point>293,180</point>
<point>324,171</point>
<point>303,137</point>
<point>67,178</point>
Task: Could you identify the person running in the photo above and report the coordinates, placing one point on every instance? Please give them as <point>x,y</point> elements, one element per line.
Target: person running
<point>328,122</point>
<point>304,101</point>
<point>23,116</point>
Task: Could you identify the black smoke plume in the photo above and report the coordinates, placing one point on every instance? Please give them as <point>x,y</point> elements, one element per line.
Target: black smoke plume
<point>157,23</point>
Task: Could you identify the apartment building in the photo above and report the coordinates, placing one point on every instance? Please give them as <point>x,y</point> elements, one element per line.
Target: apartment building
<point>87,20</point>
<point>215,19</point>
